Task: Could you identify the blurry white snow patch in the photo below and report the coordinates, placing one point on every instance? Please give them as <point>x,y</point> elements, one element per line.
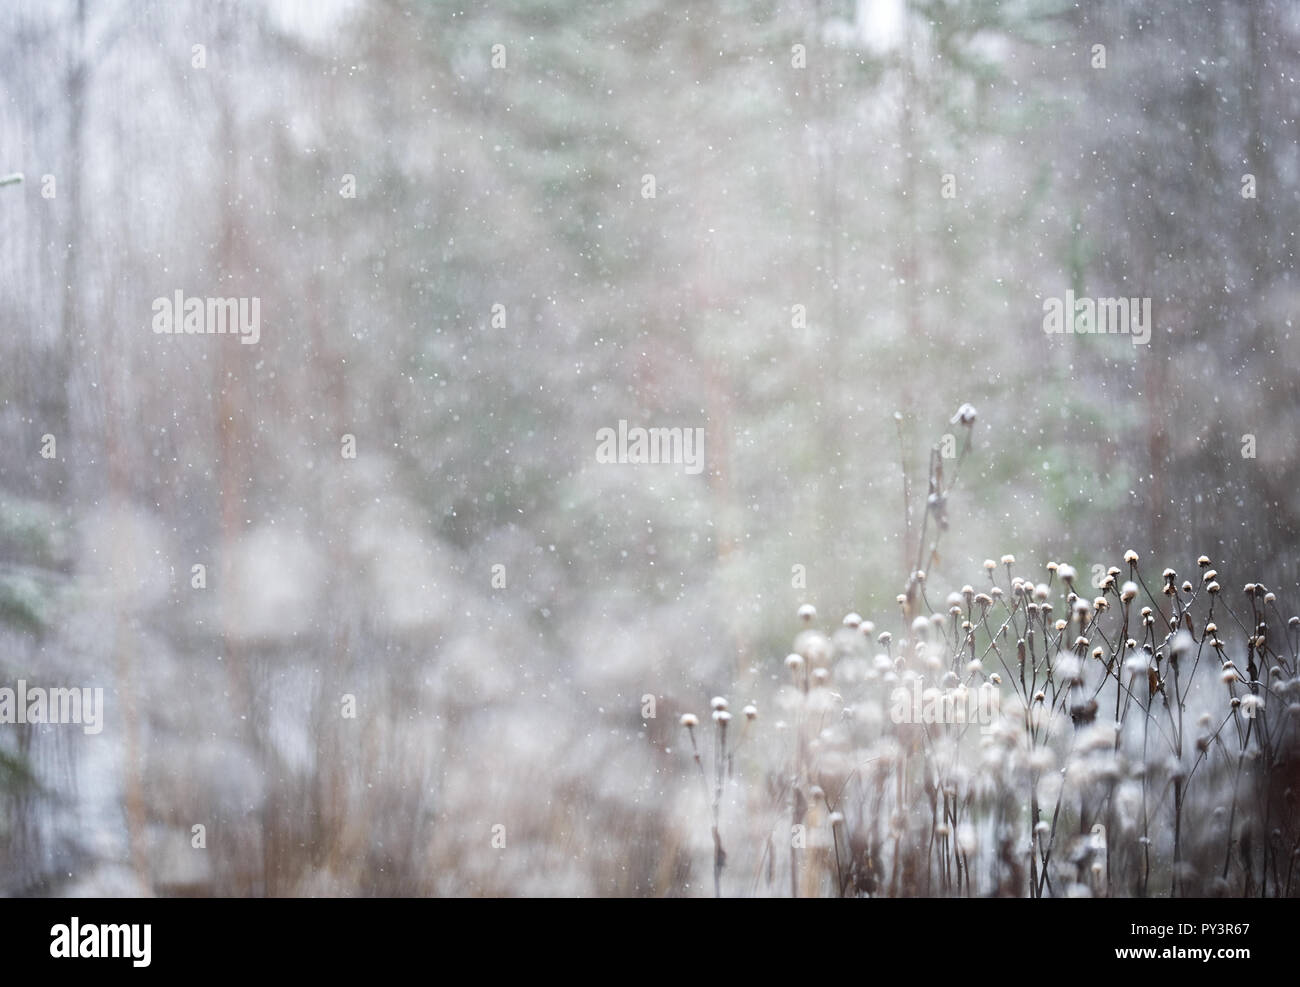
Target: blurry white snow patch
<point>126,558</point>
<point>877,26</point>
<point>406,568</point>
<point>276,582</point>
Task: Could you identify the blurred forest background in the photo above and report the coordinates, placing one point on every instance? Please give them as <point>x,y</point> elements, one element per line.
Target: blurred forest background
<point>784,177</point>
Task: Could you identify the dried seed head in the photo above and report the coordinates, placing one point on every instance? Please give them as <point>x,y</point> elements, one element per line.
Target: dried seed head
<point>1187,585</point>
<point>717,702</point>
<point>721,717</point>
<point>1146,611</point>
<point>867,628</point>
<point>1060,625</point>
<point>1212,588</point>
<point>1211,628</point>
<point>751,712</point>
<point>1113,571</point>
<point>690,721</point>
<point>807,612</point>
<point>852,620</point>
<point>1169,575</point>
<point>1270,598</point>
<point>1042,592</point>
<point>885,637</point>
<point>990,565</point>
<point>996,592</point>
<point>1209,575</point>
<point>794,662</point>
<point>1203,561</point>
<point>1128,593</point>
<point>1067,573</point>
<point>1131,557</point>
<point>1008,560</point>
<point>1052,567</point>
<point>995,678</point>
<point>1101,603</point>
<point>1040,696</point>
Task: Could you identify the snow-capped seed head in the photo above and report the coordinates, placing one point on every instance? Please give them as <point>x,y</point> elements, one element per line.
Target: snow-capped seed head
<point>954,611</point>
<point>867,628</point>
<point>983,599</point>
<point>807,612</point>
<point>718,702</point>
<point>1146,611</point>
<point>1052,567</point>
<point>1098,653</point>
<point>1169,575</point>
<point>1113,571</point>
<point>1212,588</point>
<point>1130,644</point>
<point>1252,704</point>
<point>821,676</point>
<point>1229,675</point>
<point>968,592</point>
<point>1008,560</point>
<point>920,627</point>
<point>974,666</point>
<point>900,599</point>
<point>919,575</point>
<point>1100,603</point>
<point>1204,721</point>
<point>1042,592</point>
<point>995,678</point>
<point>1235,702</point>
<point>1249,589</point>
<point>1293,623</point>
<point>690,721</point>
<point>1040,696</point>
<point>965,415</point>
<point>721,717</point>
<point>885,637</point>
<point>1270,597</point>
<point>835,819</point>
<point>1209,574</point>
<point>990,565</point>
<point>1211,628</point>
<point>996,592</point>
<point>751,712</point>
<point>1128,593</point>
<point>1060,625</point>
<point>1131,557</point>
<point>794,662</point>
<point>1067,573</point>
<point>852,620</point>
<point>1187,585</point>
